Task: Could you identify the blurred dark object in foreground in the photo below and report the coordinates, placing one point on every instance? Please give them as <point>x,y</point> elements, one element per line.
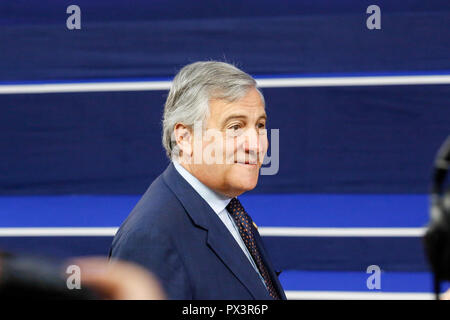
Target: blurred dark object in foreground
<point>36,278</point>
<point>437,236</point>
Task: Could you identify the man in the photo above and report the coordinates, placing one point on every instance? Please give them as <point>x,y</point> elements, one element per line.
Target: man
<point>189,228</point>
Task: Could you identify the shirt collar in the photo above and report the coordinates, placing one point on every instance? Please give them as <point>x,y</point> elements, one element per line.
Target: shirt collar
<point>216,201</point>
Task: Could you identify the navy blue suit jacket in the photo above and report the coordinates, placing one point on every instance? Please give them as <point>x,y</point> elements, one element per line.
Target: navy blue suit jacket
<point>173,232</point>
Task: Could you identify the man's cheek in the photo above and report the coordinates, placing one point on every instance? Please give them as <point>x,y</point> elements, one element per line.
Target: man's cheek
<point>229,152</point>
<point>263,149</point>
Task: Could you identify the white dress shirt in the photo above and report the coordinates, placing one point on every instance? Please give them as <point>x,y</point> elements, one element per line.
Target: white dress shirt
<point>218,203</point>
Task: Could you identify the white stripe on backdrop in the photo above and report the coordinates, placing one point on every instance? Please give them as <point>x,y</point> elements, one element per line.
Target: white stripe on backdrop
<point>264,231</point>
<point>263,83</point>
<point>355,295</point>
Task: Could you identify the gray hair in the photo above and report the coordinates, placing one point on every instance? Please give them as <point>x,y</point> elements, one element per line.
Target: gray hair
<point>193,87</point>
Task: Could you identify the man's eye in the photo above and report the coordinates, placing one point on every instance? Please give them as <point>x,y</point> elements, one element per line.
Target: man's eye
<point>261,125</point>
<point>236,127</point>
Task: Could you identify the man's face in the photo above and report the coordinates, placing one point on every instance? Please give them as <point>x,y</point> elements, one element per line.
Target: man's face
<point>234,147</point>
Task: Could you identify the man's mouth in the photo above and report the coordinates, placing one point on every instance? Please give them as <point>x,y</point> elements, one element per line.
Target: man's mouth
<point>247,162</point>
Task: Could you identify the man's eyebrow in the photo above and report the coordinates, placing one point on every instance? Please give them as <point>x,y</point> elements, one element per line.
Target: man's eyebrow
<point>241,116</point>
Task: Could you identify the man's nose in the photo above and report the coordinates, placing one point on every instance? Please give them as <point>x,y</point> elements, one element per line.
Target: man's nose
<point>252,141</point>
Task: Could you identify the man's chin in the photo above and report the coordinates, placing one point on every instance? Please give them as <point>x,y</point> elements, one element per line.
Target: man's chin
<point>245,184</point>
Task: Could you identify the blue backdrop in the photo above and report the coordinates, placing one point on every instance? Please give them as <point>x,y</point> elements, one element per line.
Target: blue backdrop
<point>350,156</point>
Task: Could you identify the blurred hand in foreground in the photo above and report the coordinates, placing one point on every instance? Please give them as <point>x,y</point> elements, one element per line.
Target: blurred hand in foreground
<point>118,280</point>
<point>445,295</point>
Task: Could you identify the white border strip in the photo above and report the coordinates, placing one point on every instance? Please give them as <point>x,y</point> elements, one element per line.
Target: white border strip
<point>341,232</point>
<point>355,295</point>
<point>264,231</point>
<point>263,83</point>
<point>85,87</point>
<point>354,81</point>
<point>57,232</point>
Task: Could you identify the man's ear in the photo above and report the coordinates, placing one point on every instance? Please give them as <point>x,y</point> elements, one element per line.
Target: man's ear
<point>184,139</point>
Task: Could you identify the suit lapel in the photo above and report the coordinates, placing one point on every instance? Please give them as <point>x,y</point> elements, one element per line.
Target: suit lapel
<point>219,239</point>
<point>225,246</point>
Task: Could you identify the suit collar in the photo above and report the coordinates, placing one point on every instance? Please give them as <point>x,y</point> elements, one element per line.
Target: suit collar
<point>189,198</point>
<point>219,239</point>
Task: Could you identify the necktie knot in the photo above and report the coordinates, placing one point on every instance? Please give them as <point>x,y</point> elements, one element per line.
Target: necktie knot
<point>236,209</point>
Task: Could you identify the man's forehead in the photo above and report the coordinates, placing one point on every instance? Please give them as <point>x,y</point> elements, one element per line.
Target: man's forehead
<point>244,115</point>
<point>225,109</point>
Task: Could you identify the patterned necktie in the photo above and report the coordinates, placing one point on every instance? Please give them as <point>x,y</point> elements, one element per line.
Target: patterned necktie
<point>247,231</point>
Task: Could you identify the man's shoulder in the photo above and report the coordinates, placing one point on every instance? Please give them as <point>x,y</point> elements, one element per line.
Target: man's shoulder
<point>157,209</point>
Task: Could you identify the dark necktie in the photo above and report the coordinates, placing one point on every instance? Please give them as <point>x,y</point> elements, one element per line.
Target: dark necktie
<point>247,231</point>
